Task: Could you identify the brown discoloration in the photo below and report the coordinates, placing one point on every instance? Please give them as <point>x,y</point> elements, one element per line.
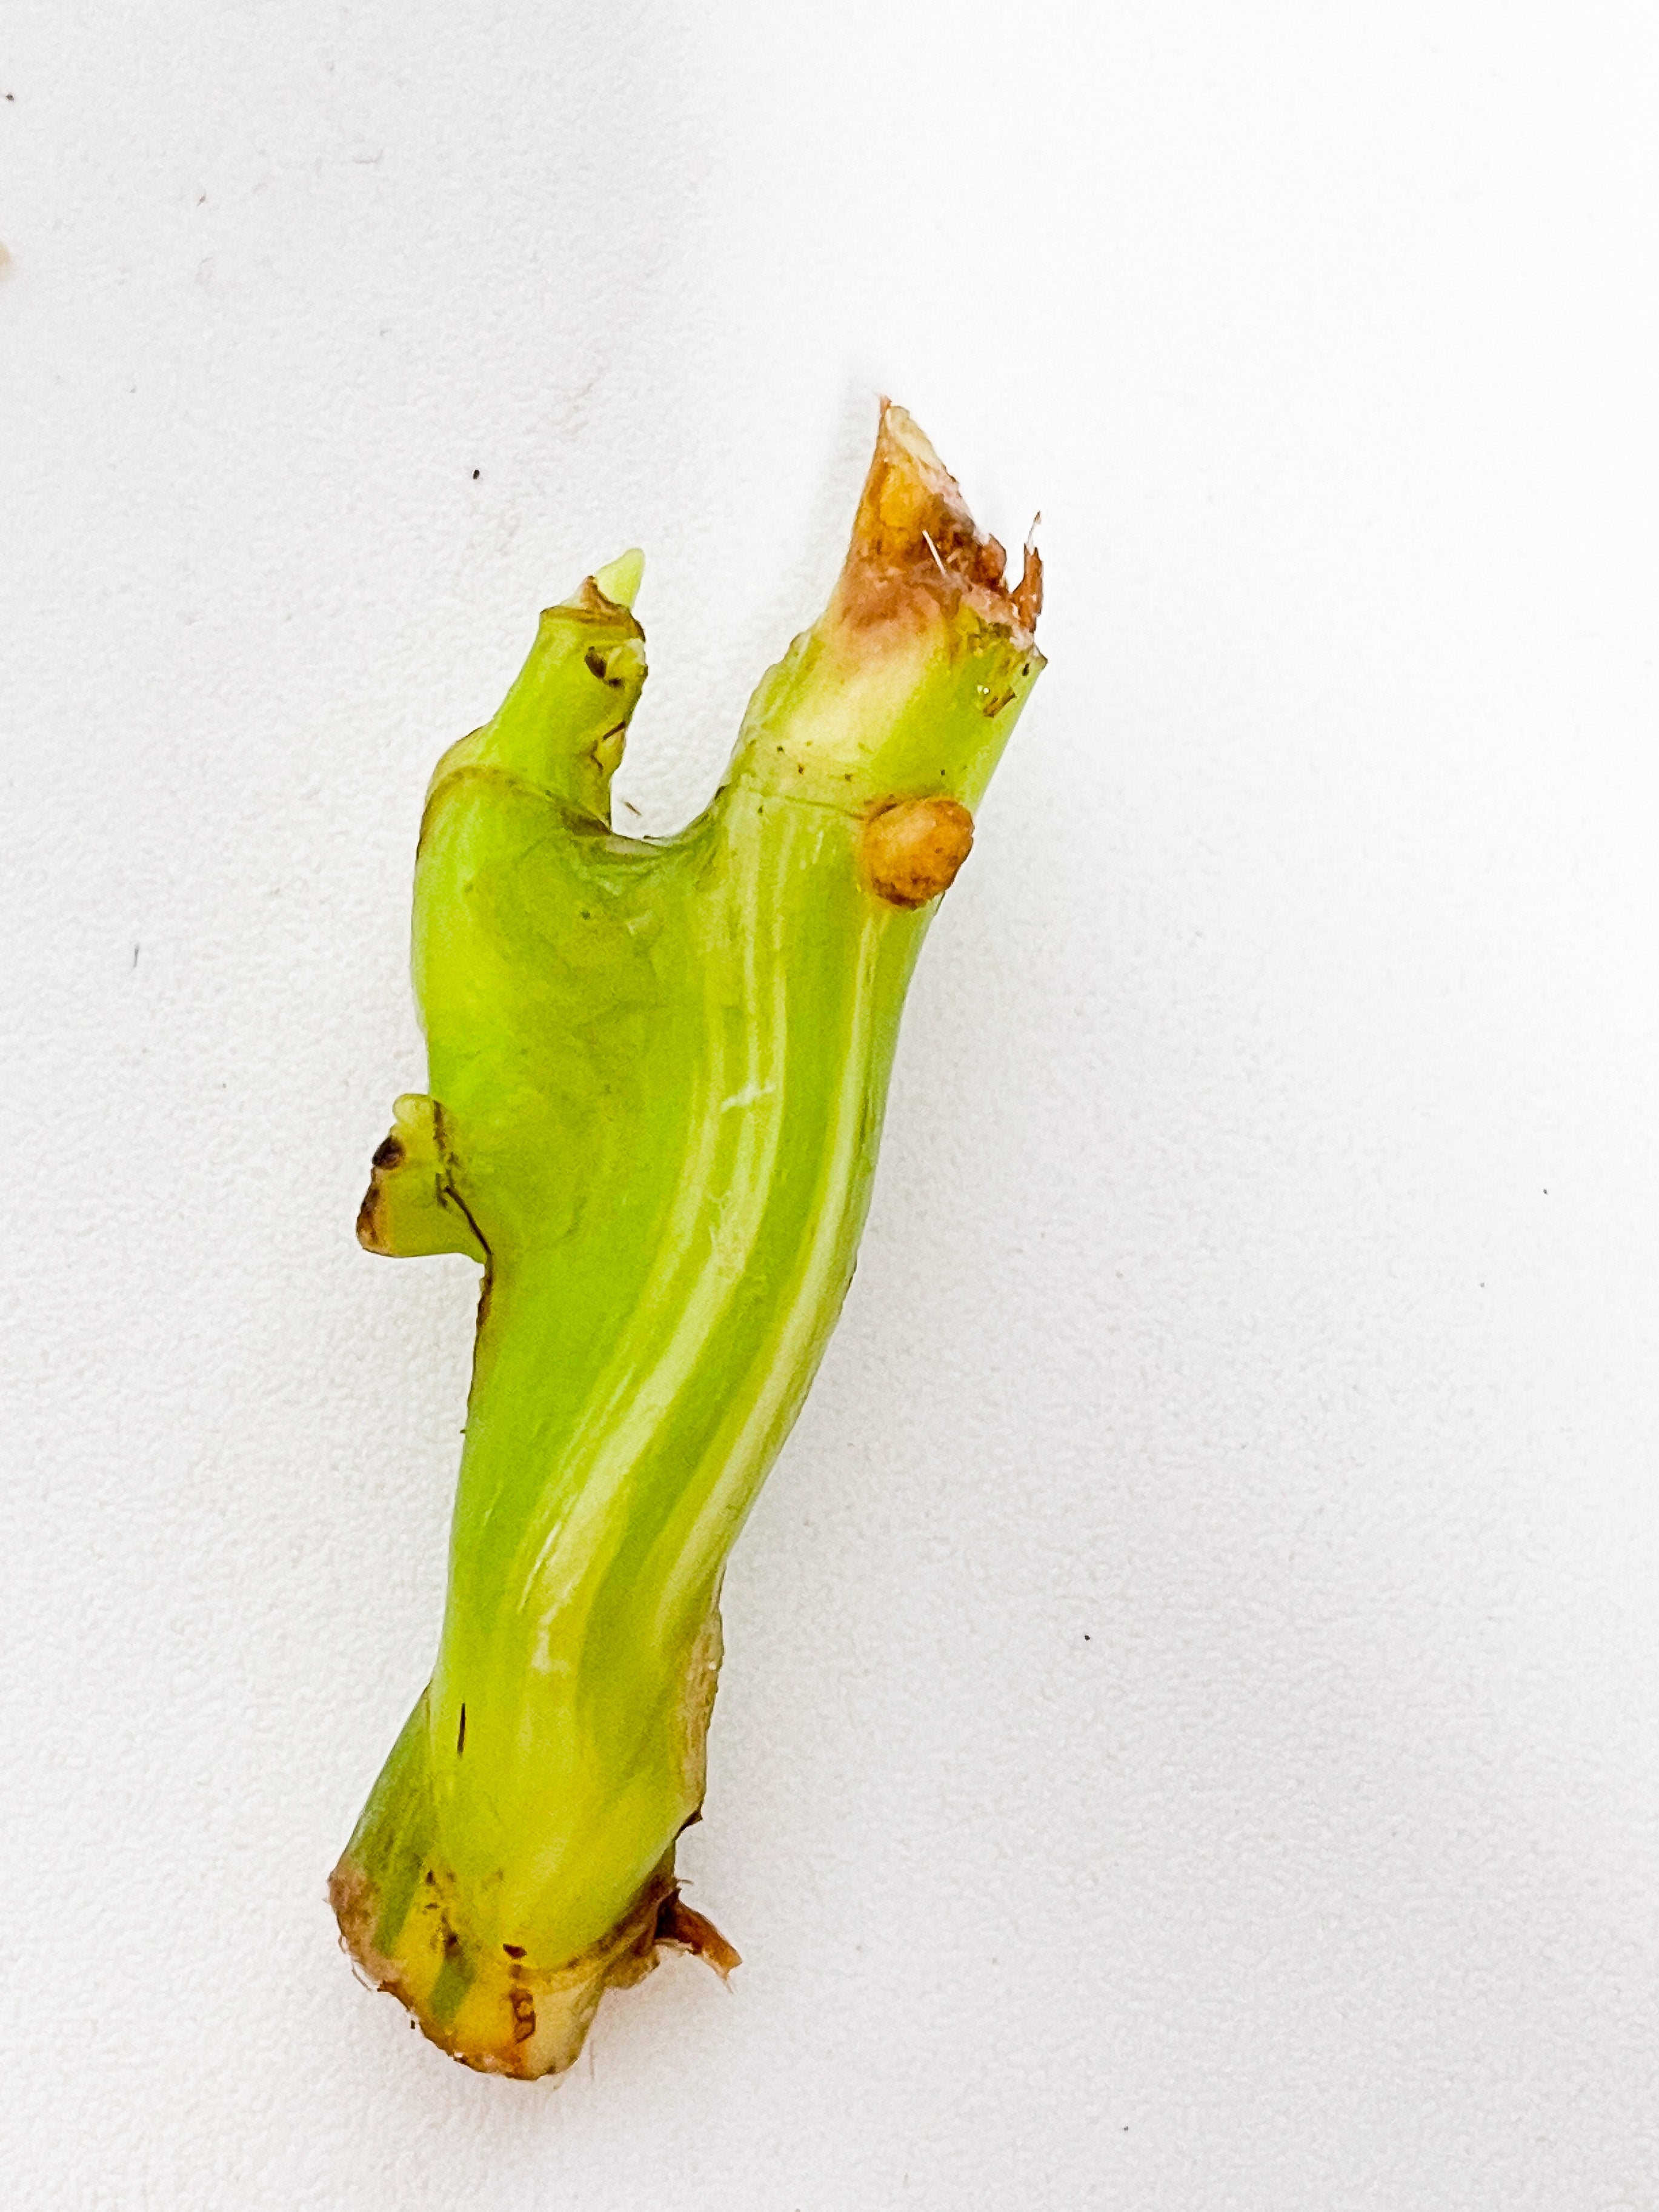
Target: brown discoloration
<point>1028,592</point>
<point>680,1929</point>
<point>356,1905</point>
<point>452,1196</point>
<point>916,552</point>
<point>606,751</point>
<point>591,604</point>
<point>412,1204</point>
<point>371,1230</point>
<point>516,2020</point>
<point>695,1706</point>
<point>911,850</point>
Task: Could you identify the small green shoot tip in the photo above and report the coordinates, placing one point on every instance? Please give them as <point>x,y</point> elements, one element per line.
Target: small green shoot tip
<point>619,579</point>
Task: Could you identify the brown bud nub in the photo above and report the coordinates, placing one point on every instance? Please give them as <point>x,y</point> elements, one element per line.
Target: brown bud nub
<point>912,849</point>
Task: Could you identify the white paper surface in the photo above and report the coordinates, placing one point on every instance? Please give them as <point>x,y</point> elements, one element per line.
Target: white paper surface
<point>1188,1733</point>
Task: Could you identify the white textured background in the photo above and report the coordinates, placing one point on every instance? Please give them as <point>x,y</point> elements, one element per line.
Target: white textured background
<point>1189,1734</point>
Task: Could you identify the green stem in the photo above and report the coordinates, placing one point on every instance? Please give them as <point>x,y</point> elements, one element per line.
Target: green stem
<point>658,1076</point>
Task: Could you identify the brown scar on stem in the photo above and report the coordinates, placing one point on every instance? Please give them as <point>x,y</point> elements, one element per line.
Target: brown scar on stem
<point>370,1234</point>
<point>606,751</point>
<point>916,548</point>
<point>402,1213</point>
<point>562,1999</point>
<point>912,848</point>
<point>591,604</point>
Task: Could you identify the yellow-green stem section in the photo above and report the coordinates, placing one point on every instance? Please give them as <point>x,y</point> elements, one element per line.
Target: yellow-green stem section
<point>656,1080</point>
